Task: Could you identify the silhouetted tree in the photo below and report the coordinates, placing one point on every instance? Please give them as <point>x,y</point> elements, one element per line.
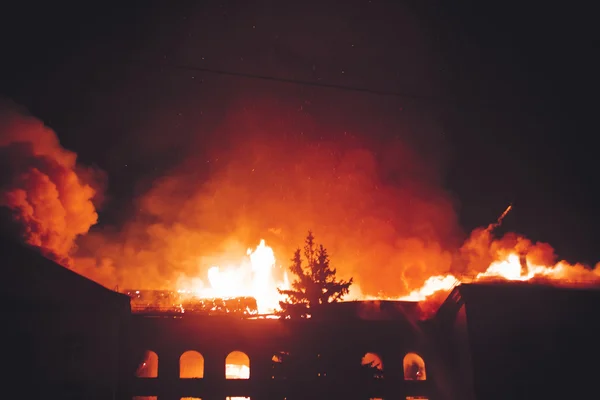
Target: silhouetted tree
<point>316,283</point>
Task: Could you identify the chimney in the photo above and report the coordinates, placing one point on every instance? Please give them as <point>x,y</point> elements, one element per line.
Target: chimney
<point>523,262</point>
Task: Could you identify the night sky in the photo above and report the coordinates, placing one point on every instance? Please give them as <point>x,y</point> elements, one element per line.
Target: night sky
<point>498,96</point>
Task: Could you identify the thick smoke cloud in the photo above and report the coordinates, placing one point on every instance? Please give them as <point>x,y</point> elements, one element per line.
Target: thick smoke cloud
<point>378,209</point>
<point>378,206</point>
<point>42,185</point>
<point>482,248</point>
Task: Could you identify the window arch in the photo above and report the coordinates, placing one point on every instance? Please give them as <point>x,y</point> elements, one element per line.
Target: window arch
<point>372,365</point>
<point>414,367</point>
<point>148,368</point>
<point>237,365</point>
<point>280,365</point>
<point>191,365</point>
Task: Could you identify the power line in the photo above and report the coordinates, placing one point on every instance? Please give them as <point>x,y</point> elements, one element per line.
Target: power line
<point>478,105</point>
<point>406,95</point>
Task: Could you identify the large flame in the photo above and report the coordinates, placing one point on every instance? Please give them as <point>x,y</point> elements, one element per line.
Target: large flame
<point>381,214</point>
<point>513,259</point>
<point>255,277</point>
<point>511,268</point>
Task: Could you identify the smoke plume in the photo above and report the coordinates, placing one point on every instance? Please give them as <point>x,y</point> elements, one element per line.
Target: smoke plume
<point>42,185</point>
<point>378,209</point>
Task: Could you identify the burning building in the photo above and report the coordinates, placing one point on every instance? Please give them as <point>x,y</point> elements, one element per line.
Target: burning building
<point>366,350</point>
<point>75,339</point>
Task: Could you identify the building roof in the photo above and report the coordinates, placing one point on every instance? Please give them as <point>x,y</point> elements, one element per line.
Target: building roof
<point>30,278</point>
<point>521,296</point>
<point>472,291</point>
<point>373,310</point>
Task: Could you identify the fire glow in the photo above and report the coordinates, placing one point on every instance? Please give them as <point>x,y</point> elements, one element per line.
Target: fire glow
<point>399,241</point>
<point>255,277</point>
<point>263,285</point>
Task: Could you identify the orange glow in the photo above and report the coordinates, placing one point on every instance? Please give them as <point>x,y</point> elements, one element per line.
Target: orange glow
<point>191,365</point>
<point>253,277</point>
<point>270,187</point>
<point>50,196</point>
<point>256,275</point>
<point>148,368</point>
<point>510,258</point>
<point>237,366</point>
<point>414,368</point>
<point>379,210</point>
<point>372,360</point>
<point>512,267</point>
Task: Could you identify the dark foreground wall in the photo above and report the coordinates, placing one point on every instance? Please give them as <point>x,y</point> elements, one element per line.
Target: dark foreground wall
<point>63,335</point>
<point>522,341</point>
<point>321,359</point>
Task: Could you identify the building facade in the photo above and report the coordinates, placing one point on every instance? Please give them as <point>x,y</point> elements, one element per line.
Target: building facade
<point>67,337</point>
<point>364,350</point>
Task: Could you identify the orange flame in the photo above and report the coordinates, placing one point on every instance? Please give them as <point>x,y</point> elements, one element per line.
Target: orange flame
<point>515,263</point>
<point>53,199</point>
<point>255,277</point>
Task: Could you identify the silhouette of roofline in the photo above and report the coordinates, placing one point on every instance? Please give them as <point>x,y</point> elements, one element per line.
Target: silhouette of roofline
<point>30,257</point>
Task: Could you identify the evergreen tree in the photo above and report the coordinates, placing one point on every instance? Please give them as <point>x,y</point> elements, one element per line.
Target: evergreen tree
<point>316,283</point>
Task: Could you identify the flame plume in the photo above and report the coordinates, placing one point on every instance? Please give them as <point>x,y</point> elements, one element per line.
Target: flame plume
<point>382,215</point>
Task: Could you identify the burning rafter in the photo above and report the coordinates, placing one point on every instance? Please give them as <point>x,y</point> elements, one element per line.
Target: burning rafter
<point>148,301</point>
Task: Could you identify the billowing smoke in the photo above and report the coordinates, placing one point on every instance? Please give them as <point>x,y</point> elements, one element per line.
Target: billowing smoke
<point>378,209</point>
<point>482,249</point>
<point>43,187</point>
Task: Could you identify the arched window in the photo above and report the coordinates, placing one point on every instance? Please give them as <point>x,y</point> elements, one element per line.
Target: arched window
<point>280,365</point>
<point>372,365</point>
<point>191,365</point>
<point>237,366</point>
<point>414,368</point>
<point>148,368</point>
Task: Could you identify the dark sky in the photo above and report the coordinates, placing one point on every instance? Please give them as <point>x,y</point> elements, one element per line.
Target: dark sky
<point>506,86</point>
